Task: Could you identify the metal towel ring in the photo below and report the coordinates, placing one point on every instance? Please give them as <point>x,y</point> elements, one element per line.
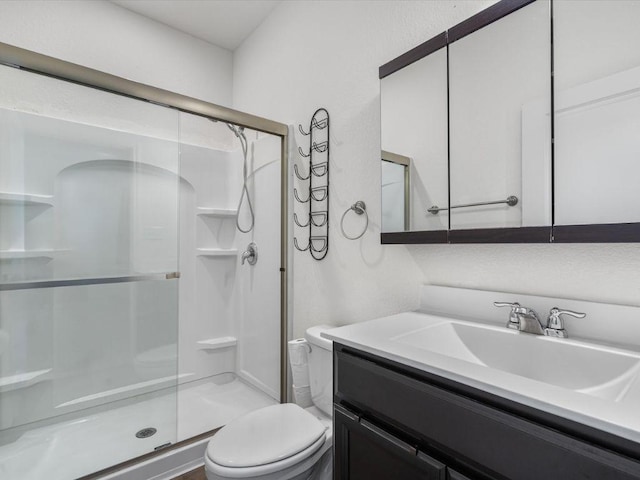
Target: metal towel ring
<point>359,207</point>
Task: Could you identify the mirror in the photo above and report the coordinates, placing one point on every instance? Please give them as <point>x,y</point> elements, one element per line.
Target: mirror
<point>500,171</point>
<point>597,112</point>
<point>414,125</point>
<point>396,198</point>
<point>490,163</point>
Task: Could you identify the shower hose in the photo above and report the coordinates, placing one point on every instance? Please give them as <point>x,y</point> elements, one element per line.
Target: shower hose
<point>239,132</point>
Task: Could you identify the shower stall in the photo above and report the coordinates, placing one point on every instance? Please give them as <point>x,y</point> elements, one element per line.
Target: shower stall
<point>128,323</point>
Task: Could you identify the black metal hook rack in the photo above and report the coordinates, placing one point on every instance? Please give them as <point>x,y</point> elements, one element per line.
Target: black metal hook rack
<point>317,198</point>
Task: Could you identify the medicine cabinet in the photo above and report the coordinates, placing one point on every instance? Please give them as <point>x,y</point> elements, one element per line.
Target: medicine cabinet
<point>471,108</point>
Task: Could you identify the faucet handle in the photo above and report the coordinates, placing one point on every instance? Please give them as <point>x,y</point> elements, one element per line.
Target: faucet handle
<point>513,305</point>
<point>514,322</point>
<point>250,254</point>
<point>555,325</point>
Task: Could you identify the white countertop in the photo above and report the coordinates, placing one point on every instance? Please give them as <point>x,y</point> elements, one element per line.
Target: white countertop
<point>382,336</point>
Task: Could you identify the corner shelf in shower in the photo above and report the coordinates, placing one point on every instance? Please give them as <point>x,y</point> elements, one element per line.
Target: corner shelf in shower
<point>217,343</point>
<point>217,252</point>
<point>216,212</point>
<point>29,199</point>
<point>22,380</point>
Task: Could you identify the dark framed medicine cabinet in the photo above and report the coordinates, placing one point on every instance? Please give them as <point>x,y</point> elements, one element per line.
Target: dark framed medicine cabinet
<point>518,125</point>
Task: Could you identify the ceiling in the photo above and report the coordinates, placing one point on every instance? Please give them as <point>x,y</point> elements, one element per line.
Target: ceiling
<point>225,23</point>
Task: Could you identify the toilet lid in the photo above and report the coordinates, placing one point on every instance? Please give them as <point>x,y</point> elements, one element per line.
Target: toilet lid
<point>264,436</point>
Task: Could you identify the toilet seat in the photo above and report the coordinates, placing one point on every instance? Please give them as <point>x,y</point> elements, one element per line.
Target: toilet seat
<point>265,441</point>
<point>300,461</point>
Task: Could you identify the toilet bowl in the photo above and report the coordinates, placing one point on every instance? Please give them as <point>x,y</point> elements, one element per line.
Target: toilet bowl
<point>281,442</point>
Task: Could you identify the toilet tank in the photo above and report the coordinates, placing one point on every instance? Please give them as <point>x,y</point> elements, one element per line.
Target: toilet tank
<point>321,368</point>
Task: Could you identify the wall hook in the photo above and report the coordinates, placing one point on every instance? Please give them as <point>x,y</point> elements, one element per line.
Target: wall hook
<point>295,194</point>
<point>315,124</point>
<point>295,219</point>
<point>320,169</point>
<point>302,131</point>
<point>320,124</point>
<point>295,244</point>
<point>306,155</point>
<point>318,177</point>
<point>324,215</point>
<point>319,193</point>
<point>321,239</point>
<point>295,169</point>
<point>320,147</point>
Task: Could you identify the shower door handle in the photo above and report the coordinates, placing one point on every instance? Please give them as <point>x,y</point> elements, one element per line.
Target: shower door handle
<point>172,275</point>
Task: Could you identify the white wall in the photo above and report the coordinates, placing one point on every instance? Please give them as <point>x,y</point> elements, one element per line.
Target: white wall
<point>106,37</point>
<point>310,54</point>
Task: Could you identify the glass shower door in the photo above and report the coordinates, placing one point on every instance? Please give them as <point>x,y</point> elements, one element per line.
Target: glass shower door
<point>89,194</point>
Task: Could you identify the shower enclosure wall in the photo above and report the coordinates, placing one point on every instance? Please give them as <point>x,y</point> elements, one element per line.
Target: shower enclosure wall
<point>127,321</point>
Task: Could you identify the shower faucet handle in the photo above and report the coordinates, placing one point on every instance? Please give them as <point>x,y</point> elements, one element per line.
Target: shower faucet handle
<point>250,254</point>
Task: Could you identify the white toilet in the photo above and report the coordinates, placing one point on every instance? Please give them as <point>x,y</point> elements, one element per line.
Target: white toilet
<point>282,442</point>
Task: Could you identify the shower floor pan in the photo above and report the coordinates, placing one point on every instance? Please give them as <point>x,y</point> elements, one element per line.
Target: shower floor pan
<point>86,444</point>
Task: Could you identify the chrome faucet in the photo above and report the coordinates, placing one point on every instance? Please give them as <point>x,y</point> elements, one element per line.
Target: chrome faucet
<point>250,254</point>
<point>522,318</point>
<point>555,326</point>
<point>526,320</point>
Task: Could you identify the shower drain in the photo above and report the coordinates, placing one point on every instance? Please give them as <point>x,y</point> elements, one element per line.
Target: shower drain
<point>146,432</point>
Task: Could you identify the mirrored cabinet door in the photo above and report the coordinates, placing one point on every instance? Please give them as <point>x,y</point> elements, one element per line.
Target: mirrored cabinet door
<point>500,127</point>
<point>414,140</point>
<point>597,113</point>
<point>396,194</point>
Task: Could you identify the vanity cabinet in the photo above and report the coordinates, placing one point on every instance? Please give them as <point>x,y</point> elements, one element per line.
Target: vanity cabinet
<point>368,451</point>
<point>393,421</point>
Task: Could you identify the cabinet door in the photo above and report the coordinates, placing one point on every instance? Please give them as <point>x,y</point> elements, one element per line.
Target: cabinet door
<point>363,451</point>
<point>498,76</point>
<point>493,442</point>
<point>597,113</point>
<point>453,475</point>
<point>413,104</point>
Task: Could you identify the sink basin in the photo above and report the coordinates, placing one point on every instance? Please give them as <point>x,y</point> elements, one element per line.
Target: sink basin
<point>587,368</point>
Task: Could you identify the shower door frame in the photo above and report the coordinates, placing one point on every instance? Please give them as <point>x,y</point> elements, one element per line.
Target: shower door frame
<point>33,62</point>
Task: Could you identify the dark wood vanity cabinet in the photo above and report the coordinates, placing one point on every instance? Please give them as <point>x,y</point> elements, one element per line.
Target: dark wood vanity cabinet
<point>370,452</point>
<point>394,422</point>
